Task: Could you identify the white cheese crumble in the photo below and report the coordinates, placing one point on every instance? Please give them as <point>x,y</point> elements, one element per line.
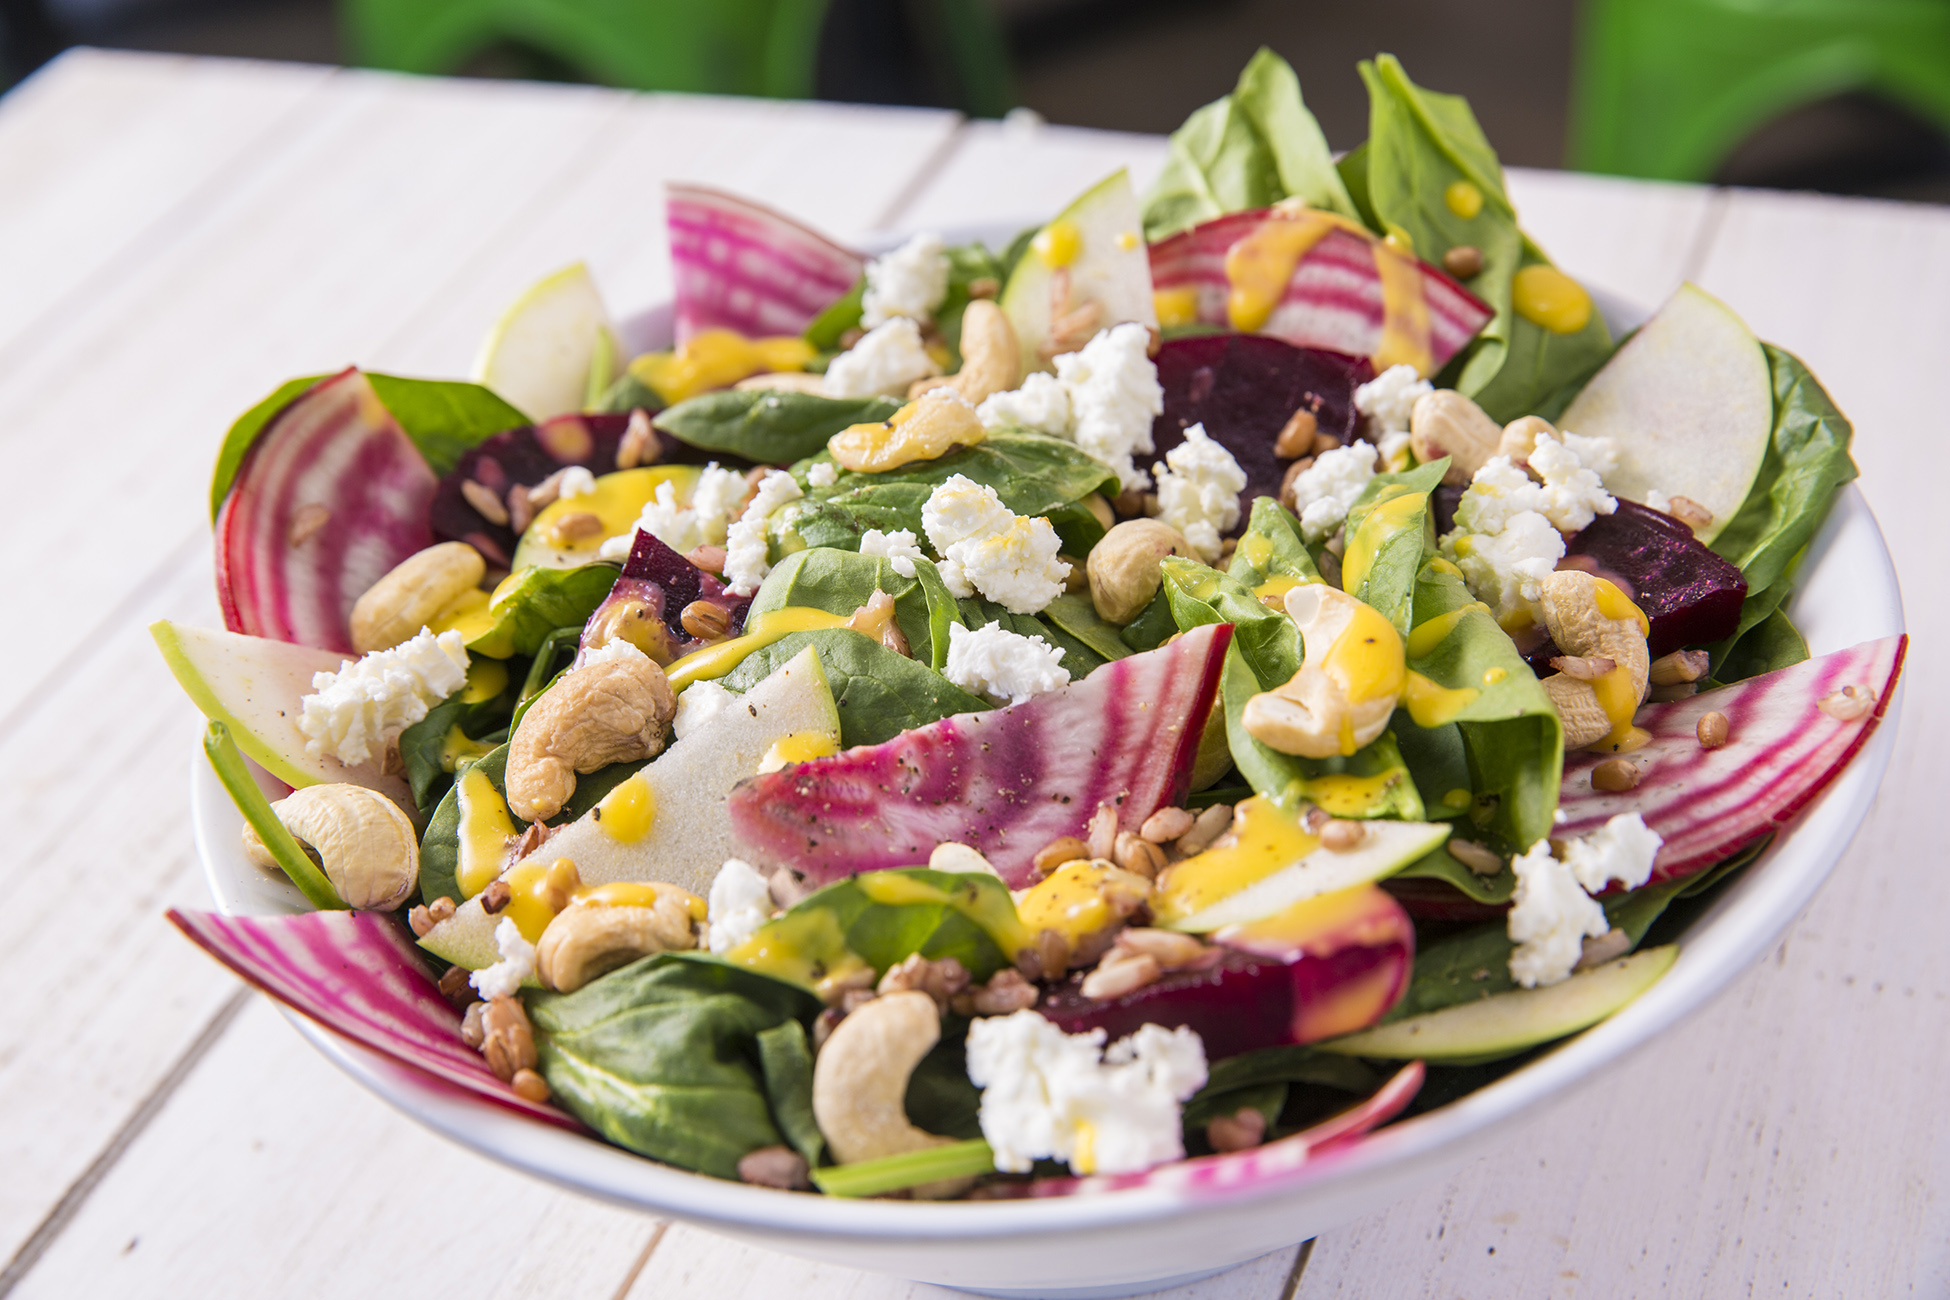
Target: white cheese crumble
<point>1623,849</point>
<point>1389,398</point>
<point>1198,491</point>
<point>699,702</point>
<point>611,652</point>
<point>354,713</point>
<point>1042,404</point>
<point>748,553</point>
<point>898,548</point>
<point>715,498</point>
<point>576,481</point>
<point>1395,455</point>
<point>1599,455</point>
<point>1327,489</point>
<point>984,546</point>
<point>1550,917</point>
<point>1114,396</point>
<point>1051,1095</point>
<point>740,902</point>
<point>504,978</point>
<point>1506,569</point>
<point>1509,527</point>
<point>882,364</point>
<point>823,474</point>
<point>910,281</point>
<point>1572,495</point>
<point>1002,665</point>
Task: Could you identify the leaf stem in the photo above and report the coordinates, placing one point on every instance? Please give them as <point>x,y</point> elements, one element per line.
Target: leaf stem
<point>891,1174</point>
<point>250,801</point>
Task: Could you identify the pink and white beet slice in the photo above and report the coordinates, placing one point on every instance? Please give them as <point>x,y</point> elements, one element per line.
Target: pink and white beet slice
<point>740,266</point>
<point>356,974</point>
<point>1782,750</point>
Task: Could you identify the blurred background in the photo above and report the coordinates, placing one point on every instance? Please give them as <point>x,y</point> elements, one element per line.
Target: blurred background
<point>1799,94</point>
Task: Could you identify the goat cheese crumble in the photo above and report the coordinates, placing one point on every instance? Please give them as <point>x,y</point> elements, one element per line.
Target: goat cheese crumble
<point>611,652</point>
<point>1509,527</point>
<point>1002,665</point>
<point>740,902</point>
<point>1327,490</point>
<point>1198,491</point>
<point>1550,918</point>
<point>911,281</point>
<point>1042,404</point>
<point>1623,849</point>
<point>883,363</point>
<point>1114,396</point>
<point>1389,398</point>
<point>823,474</point>
<point>354,713</point>
<point>1051,1095</point>
<point>984,546</point>
<point>576,481</point>
<point>697,704</point>
<point>504,978</point>
<point>748,553</point>
<point>898,548</point>
<point>683,528</point>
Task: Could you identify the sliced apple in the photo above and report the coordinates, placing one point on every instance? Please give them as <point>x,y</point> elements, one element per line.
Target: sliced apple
<point>1098,243</point>
<point>551,348</point>
<point>1505,1023</point>
<point>253,685</point>
<point>689,835</point>
<point>1688,402</point>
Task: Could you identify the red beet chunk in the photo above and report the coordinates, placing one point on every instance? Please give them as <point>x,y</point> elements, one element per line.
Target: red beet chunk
<point>1244,388</point>
<point>663,580</point>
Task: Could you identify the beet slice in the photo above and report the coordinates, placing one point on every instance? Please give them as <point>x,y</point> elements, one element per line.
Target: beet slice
<point>744,267</point>
<point>1782,750</point>
<point>330,497</point>
<point>1334,299</point>
<point>665,582</point>
<point>1244,388</point>
<point>1005,782</point>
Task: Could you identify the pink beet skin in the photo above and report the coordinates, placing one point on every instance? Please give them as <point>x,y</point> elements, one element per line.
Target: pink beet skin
<point>1005,782</point>
<point>744,267</point>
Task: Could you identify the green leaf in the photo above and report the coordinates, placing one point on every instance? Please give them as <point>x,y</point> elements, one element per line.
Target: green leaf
<point>1268,94</point>
<point>879,693</point>
<point>766,426</point>
<point>892,1173</point>
<point>538,601</point>
<point>1153,627</point>
<point>1271,547</point>
<point>1073,614</point>
<point>785,1059</point>
<point>1441,865</point>
<point>662,1057</point>
<point>423,746</point>
<point>940,1097</point>
<point>1390,530</point>
<point>841,581</point>
<point>1233,1081</point>
<point>843,315</point>
<point>230,456</point>
<point>1771,644</point>
<point>629,393</point>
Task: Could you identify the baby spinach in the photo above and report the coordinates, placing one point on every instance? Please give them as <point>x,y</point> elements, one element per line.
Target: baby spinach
<point>841,581</point>
<point>663,1057</point>
<point>1151,628</point>
<point>841,315</point>
<point>940,1099</point>
<point>1075,618</point>
<point>934,919</point>
<point>967,263</point>
<point>879,693</point>
<point>1770,644</point>
<point>423,746</point>
<point>536,602</point>
<point>630,393</point>
<point>1271,547</point>
<point>785,1058</point>
<point>1390,530</point>
<point>768,427</point>
<point>1228,1080</point>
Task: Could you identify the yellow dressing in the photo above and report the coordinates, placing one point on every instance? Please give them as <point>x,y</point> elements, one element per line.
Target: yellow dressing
<point>1431,704</point>
<point>617,501</point>
<point>989,909</point>
<point>714,358</point>
<point>1388,516</point>
<point>1619,698</point>
<point>1550,299</point>
<point>799,747</point>
<point>881,445</point>
<point>1071,902</point>
<point>1350,796</point>
<point>807,948</point>
<point>1404,312</point>
<point>456,748</point>
<point>1272,592</point>
<point>1175,306</point>
<point>1457,798</point>
<point>486,678</point>
<point>466,614</point>
<point>773,625</point>
<point>1269,840</point>
<point>628,893</point>
<point>1491,676</point>
<point>1463,199</point>
<point>1083,1148</point>
<point>1260,265</point>
<point>485,829</point>
<point>1058,243</point>
<point>628,811</point>
<point>1613,603</point>
<point>1441,565</point>
<point>1255,549</point>
<point>538,892</point>
<point>1426,636</point>
<point>1366,660</point>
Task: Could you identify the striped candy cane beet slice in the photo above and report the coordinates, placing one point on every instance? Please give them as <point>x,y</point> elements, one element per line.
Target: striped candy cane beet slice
<point>1006,782</point>
<point>743,267</point>
<point>1782,750</point>
<point>356,974</point>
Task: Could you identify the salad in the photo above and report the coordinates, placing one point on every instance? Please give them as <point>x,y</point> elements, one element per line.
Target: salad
<point>1227,667</point>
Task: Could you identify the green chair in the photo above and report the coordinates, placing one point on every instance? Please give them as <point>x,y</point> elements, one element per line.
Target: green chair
<point>1668,88</point>
<point>732,47</point>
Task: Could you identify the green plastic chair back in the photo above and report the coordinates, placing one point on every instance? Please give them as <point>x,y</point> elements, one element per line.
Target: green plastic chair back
<point>1668,88</point>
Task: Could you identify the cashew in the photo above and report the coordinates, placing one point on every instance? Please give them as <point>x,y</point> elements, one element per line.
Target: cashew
<point>633,621</point>
<point>1320,712</point>
<point>610,711</point>
<point>860,1081</point>
<point>991,359</point>
<point>588,939</point>
<point>1445,423</point>
<point>1580,627</point>
<point>364,843</point>
<point>927,427</point>
<point>1127,565</point>
<point>405,600</point>
<point>1520,436</point>
<point>786,381</point>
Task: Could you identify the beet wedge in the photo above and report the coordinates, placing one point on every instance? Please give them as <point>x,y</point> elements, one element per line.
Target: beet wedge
<point>1006,782</point>
<point>1333,299</point>
<point>743,267</point>
<point>331,497</point>
<point>1782,750</point>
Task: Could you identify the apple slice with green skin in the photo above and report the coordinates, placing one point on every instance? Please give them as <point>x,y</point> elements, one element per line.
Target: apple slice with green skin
<point>688,836</point>
<point>1507,1023</point>
<point>551,348</point>
<point>253,686</point>
<point>1098,241</point>
<point>1689,402</point>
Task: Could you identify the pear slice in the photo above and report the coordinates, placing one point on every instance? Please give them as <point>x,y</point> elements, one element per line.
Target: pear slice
<point>1690,404</point>
<point>253,686</point>
<point>689,834</point>
<point>545,353</point>
<point>1099,241</point>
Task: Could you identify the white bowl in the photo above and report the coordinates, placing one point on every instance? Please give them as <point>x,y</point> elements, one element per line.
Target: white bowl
<point>1186,1221</point>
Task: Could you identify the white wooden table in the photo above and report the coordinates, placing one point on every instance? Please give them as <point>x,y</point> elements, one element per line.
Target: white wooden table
<point>177,236</point>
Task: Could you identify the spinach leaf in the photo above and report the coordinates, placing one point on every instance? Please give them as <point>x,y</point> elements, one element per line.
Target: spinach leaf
<point>967,263</point>
<point>1440,864</point>
<point>230,456</point>
<point>1250,149</point>
<point>841,581</point>
<point>879,693</point>
<point>1770,644</point>
<point>1153,627</point>
<point>1272,547</point>
<point>785,1059</point>
<point>1072,615</point>
<point>842,315</point>
<point>940,1098</point>
<point>537,601</point>
<point>423,746</point>
<point>1280,1065</point>
<point>768,427</point>
<point>1390,529</point>
<point>629,393</point>
<point>662,1057</point>
<point>937,914</point>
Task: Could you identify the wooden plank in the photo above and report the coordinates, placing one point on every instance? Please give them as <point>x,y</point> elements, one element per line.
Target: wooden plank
<point>1018,173</point>
<point>300,1184</point>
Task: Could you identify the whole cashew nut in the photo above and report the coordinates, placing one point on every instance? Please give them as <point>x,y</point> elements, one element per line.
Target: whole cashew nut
<point>1323,710</point>
<point>613,710</point>
<point>419,587</point>
<point>1445,423</point>
<point>1126,567</point>
<point>1520,436</point>
<point>365,844</point>
<point>588,939</point>
<point>1574,605</point>
<point>991,358</point>
<point>860,1079</point>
